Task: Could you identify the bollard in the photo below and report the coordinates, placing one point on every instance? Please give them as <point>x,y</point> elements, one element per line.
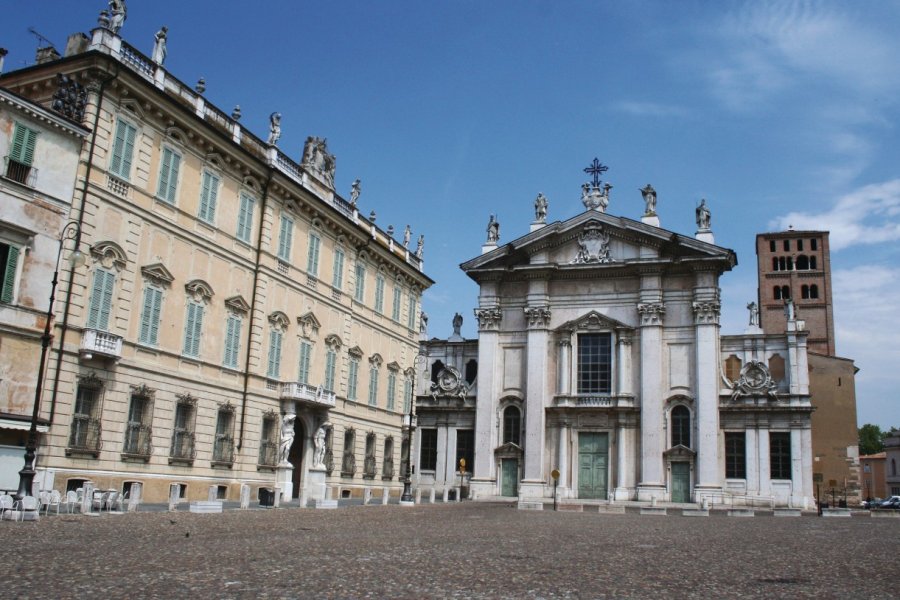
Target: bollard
<point>213,493</point>
<point>418,496</point>
<point>367,496</point>
<point>245,496</point>
<point>431,496</point>
<point>445,495</point>
<point>174,496</point>
<point>385,495</point>
<point>87,499</point>
<point>134,496</point>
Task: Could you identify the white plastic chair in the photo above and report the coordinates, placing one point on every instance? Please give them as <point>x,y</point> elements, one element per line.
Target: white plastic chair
<point>54,500</point>
<point>27,504</point>
<point>44,498</point>
<point>71,500</point>
<point>6,505</point>
<point>99,500</point>
<point>112,500</point>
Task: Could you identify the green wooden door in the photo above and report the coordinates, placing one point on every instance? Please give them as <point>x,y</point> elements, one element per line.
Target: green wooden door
<point>593,458</point>
<point>681,482</point>
<point>509,477</point>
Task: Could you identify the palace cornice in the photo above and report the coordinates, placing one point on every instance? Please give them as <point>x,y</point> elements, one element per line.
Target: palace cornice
<point>43,115</point>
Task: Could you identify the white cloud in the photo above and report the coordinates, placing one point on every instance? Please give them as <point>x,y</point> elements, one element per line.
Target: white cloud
<point>869,215</point>
<point>649,109</point>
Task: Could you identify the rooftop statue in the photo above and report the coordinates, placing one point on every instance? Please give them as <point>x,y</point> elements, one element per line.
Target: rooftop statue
<point>355,189</point>
<point>407,234</point>
<point>159,46</point>
<point>540,208</point>
<point>493,231</point>
<point>754,314</point>
<point>703,216</point>
<point>117,15</point>
<point>317,158</point>
<point>274,128</point>
<point>457,323</point>
<point>420,246</point>
<point>649,200</point>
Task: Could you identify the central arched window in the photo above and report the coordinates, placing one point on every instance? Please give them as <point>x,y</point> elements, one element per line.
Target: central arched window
<point>512,425</point>
<point>681,426</point>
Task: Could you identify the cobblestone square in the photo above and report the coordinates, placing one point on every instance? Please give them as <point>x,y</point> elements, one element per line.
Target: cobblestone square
<point>468,550</point>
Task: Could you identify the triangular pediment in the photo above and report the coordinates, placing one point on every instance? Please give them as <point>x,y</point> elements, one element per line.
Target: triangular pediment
<point>594,240</point>
<point>679,452</point>
<point>158,274</point>
<point>508,449</point>
<point>593,321</point>
<point>238,304</point>
<point>309,325</point>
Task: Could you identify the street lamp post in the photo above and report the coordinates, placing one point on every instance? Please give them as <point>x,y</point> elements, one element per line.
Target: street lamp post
<point>26,476</point>
<point>409,424</point>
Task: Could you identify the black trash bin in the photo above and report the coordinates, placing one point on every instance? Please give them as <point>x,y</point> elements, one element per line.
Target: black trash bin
<point>266,497</point>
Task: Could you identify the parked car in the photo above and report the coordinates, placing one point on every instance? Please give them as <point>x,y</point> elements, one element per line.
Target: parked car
<point>892,502</point>
<point>872,503</point>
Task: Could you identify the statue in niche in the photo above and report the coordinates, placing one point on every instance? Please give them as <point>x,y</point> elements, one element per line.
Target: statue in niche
<point>407,234</point>
<point>493,231</point>
<point>274,128</point>
<point>457,324</point>
<point>319,445</point>
<point>649,200</point>
<point>159,46</point>
<point>703,216</point>
<point>287,437</point>
<point>540,208</point>
<point>117,15</point>
<point>593,246</point>
<point>420,246</point>
<point>754,314</point>
<point>355,189</point>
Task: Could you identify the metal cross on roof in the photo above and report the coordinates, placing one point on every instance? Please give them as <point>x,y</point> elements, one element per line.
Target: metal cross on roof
<point>595,169</point>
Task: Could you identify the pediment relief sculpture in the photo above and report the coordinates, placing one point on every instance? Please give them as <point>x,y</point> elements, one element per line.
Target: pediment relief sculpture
<point>593,246</point>
<point>157,274</point>
<point>755,380</point>
<point>595,321</point>
<point>237,304</point>
<point>199,290</point>
<point>309,325</point>
<point>449,383</point>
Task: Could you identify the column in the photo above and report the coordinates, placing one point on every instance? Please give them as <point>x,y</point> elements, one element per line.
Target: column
<point>706,343</point>
<point>564,367</point>
<point>562,462</point>
<point>483,480</point>
<point>621,491</point>
<point>765,474</point>
<point>623,361</point>
<point>751,460</point>
<point>796,468</point>
<point>653,436</point>
<point>807,469</point>
<point>536,398</point>
<point>442,469</point>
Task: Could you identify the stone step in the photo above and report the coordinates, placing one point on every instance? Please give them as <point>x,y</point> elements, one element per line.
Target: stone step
<point>787,512</point>
<point>836,512</point>
<point>885,514</point>
<point>611,509</point>
<point>695,512</point>
<point>570,507</point>
<point>654,510</point>
<point>741,512</point>
<point>206,506</point>
<point>326,504</point>
<point>530,505</point>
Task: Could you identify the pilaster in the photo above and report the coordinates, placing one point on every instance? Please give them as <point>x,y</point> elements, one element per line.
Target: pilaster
<point>706,344</point>
<point>538,321</point>
<point>483,480</point>
<point>652,433</point>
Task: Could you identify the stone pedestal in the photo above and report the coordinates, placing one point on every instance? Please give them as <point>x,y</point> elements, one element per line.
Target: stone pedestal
<point>284,475</point>
<point>245,496</point>
<point>705,235</point>
<point>213,493</point>
<point>315,487</point>
<point>529,490</point>
<point>174,496</point>
<point>651,219</point>
<point>87,499</point>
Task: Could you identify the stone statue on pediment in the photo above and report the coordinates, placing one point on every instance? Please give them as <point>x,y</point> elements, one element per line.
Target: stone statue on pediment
<point>317,158</point>
<point>493,231</point>
<point>649,200</point>
<point>117,15</point>
<point>159,46</point>
<point>754,314</point>
<point>540,208</point>
<point>704,217</point>
<point>274,128</point>
<point>420,246</point>
<point>407,234</point>
<point>355,189</point>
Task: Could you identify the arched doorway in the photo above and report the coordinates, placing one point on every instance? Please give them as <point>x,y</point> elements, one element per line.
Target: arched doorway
<point>295,457</point>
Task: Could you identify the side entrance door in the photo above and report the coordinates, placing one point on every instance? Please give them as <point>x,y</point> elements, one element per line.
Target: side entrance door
<point>509,477</point>
<point>681,482</point>
<point>593,458</point>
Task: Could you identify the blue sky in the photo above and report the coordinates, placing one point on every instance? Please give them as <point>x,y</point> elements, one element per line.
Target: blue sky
<point>778,113</point>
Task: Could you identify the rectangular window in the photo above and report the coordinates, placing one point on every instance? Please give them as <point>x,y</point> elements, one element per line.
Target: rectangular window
<point>391,389</point>
<point>223,447</point>
<point>735,455</point>
<point>428,450</point>
<point>305,352</point>
<point>209,192</point>
<point>373,386</point>
<point>150,312</point>
<point>780,455</point>
<point>21,154</point>
<point>407,396</point>
<point>192,328</point>
<point>168,175</point>
<point>395,311</point>
<point>813,244</point>
<point>232,342</point>
<point>123,150</point>
<point>285,234</point>
<point>85,432</point>
<point>594,363</point>
<point>379,294</point>
<point>245,218</point>
<point>274,368</point>
<point>411,315</point>
<point>800,245</point>
<point>183,432</point>
<point>787,245</point>
<point>268,448</point>
<point>359,293</point>
<point>137,429</point>
<point>352,376</point>
<point>465,448</point>
<point>771,245</point>
<point>9,262</point>
<point>337,277</point>
<point>330,360</point>
<point>101,299</point>
<point>312,259</point>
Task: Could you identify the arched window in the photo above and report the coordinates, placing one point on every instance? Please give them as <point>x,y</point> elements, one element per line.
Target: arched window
<point>774,263</point>
<point>777,292</point>
<point>512,425</point>
<point>813,291</point>
<point>812,262</point>
<point>790,263</point>
<point>802,263</point>
<point>436,367</point>
<point>681,426</point>
<point>804,292</point>
<point>785,292</point>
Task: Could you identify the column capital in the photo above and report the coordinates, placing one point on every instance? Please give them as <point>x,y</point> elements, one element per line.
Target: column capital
<point>538,317</point>
<point>651,313</point>
<point>707,313</point>
<point>488,318</point>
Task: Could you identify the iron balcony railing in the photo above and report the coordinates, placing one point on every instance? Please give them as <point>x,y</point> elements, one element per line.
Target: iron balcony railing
<point>20,172</point>
<point>85,434</point>
<point>183,447</point>
<point>369,467</point>
<point>348,465</point>
<point>268,454</point>
<point>138,440</point>
<point>223,450</point>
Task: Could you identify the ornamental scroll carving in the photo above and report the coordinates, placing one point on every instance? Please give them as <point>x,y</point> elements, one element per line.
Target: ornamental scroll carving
<point>593,246</point>
<point>755,380</point>
<point>449,383</point>
<point>488,318</point>
<point>537,316</point>
<point>706,313</point>
<point>652,314</point>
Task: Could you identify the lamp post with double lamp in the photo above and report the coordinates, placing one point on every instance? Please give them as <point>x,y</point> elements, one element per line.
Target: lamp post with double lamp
<point>409,425</point>
<point>26,476</point>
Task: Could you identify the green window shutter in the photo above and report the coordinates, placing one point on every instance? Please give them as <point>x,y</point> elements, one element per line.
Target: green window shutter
<point>189,328</point>
<point>305,351</point>
<point>198,328</point>
<point>329,370</point>
<point>379,294</point>
<point>168,175</point>
<point>245,218</point>
<point>360,292</point>
<point>173,177</point>
<point>154,317</point>
<point>337,278</point>
<point>101,300</point>
<point>150,311</point>
<point>123,149</point>
<point>9,274</point>
<point>373,387</point>
<point>396,309</point>
<point>312,259</point>
<point>284,238</point>
<point>22,148</point>
<point>274,367</point>
<point>392,388</point>
<point>232,341</point>
<point>209,191</point>
<point>411,317</point>
<point>351,378</point>
<point>407,396</point>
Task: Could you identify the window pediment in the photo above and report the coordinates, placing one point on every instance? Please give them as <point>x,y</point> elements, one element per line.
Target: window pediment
<point>508,450</point>
<point>593,321</point>
<point>279,320</point>
<point>679,452</point>
<point>333,341</point>
<point>356,351</point>
<point>393,366</point>
<point>376,361</point>
<point>199,290</point>
<point>237,304</point>
<point>109,254</point>
<point>309,325</point>
<point>158,274</point>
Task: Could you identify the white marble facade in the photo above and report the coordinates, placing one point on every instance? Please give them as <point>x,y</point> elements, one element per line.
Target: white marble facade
<point>600,357</point>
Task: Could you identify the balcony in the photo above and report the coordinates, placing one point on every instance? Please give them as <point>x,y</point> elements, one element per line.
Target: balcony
<point>183,449</point>
<point>369,467</point>
<point>387,470</point>
<point>138,442</point>
<point>100,343</point>
<point>21,173</point>
<point>307,394</point>
<point>268,455</point>
<point>223,452</point>
<point>84,437</point>
<point>594,401</point>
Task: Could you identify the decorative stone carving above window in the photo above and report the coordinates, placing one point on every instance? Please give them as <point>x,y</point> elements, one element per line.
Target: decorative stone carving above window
<point>706,313</point>
<point>143,390</point>
<point>356,352</point>
<point>91,380</point>
<point>393,366</point>
<point>309,325</point>
<point>755,380</point>
<point>333,342</point>
<point>279,320</point>
<point>652,314</point>
<point>593,321</point>
<point>488,318</point>
<point>186,399</point>
<point>538,317</point>
<point>593,246</point>
<point>237,305</point>
<point>157,274</point>
<point>199,290</point>
<point>449,383</point>
<point>376,361</point>
<point>109,254</point>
